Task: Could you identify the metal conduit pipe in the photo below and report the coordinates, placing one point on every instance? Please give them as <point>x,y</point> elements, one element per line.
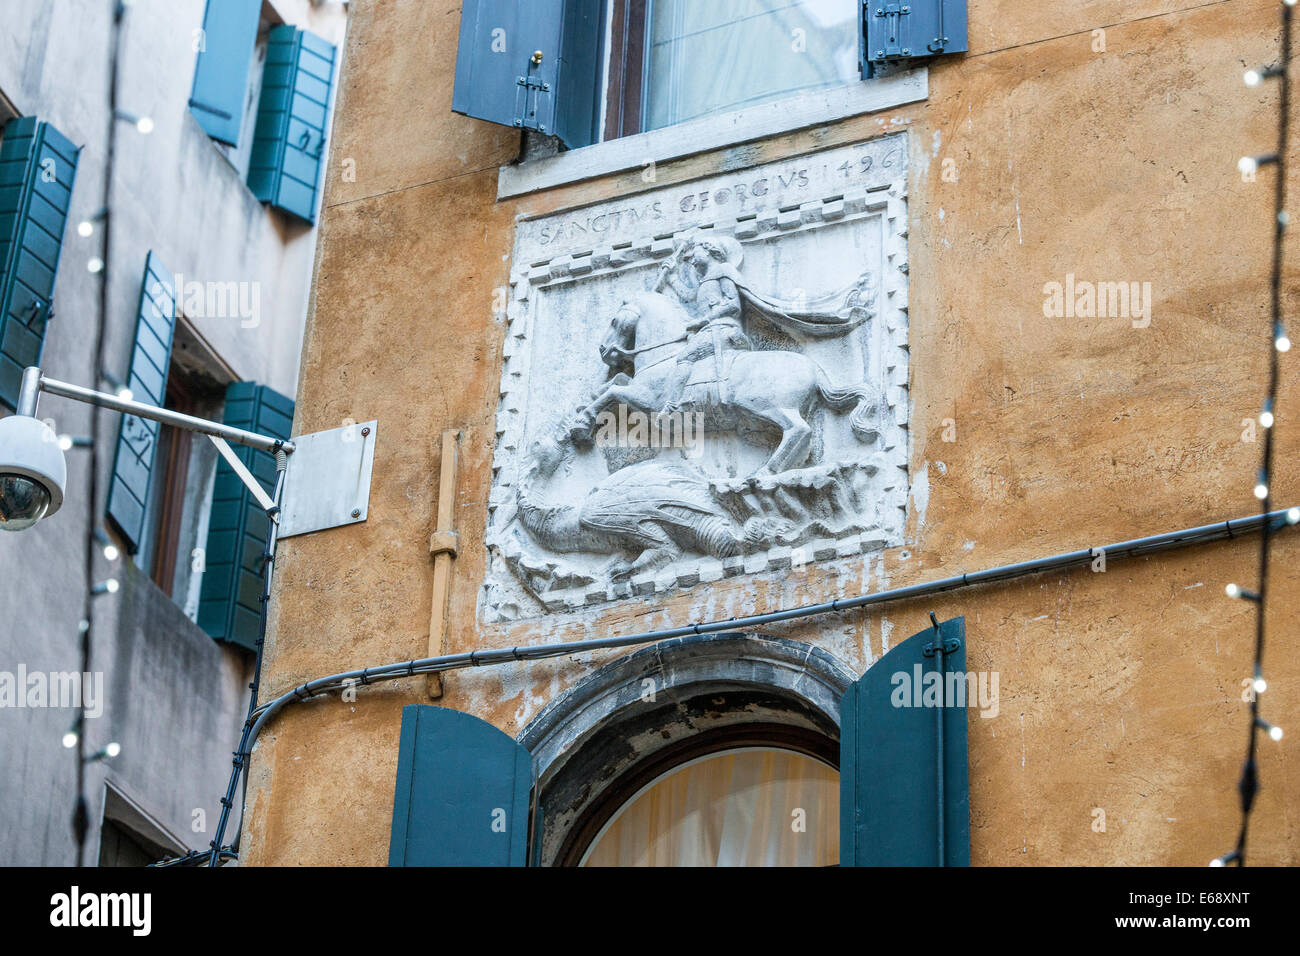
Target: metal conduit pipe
<point>1139,546</point>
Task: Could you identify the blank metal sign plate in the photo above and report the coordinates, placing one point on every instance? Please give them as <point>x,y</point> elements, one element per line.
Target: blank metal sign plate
<point>328,481</point>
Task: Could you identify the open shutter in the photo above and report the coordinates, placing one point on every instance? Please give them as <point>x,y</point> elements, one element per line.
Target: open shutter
<point>498,78</point>
<point>289,141</point>
<point>902,30</point>
<point>137,438</point>
<point>230,607</point>
<point>38,165</point>
<point>904,794</point>
<point>461,797</point>
<point>225,56</point>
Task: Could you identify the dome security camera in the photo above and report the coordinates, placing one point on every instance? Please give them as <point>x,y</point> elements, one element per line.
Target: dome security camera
<point>32,472</point>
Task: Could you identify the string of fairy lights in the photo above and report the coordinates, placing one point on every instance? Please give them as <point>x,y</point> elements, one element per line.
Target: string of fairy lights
<point>98,542</point>
<point>1278,342</point>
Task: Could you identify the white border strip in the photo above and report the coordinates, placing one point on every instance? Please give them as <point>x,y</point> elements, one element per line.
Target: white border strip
<point>714,132</point>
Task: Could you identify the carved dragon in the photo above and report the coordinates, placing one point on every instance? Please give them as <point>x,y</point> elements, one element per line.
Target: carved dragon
<point>655,510</point>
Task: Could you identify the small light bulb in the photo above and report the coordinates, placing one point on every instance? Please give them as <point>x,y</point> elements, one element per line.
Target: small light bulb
<point>111,585</point>
<point>1275,733</point>
<point>65,442</point>
<point>1247,165</point>
<point>95,264</point>
<point>125,394</point>
<point>1261,491</point>
<point>1252,78</point>
<point>1282,343</point>
<point>1266,419</point>
<point>111,552</point>
<point>1284,218</point>
<point>85,228</point>
<point>113,749</point>
<point>70,739</point>
<point>1217,861</point>
<point>1260,685</point>
<point>145,125</point>
<point>1233,591</point>
<point>1293,516</point>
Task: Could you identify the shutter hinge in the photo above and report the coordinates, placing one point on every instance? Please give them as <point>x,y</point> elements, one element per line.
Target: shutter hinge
<point>528,98</point>
<point>950,646</point>
<point>892,25</point>
<point>888,32</point>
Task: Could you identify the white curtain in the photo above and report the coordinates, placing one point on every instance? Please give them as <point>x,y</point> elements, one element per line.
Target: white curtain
<point>752,807</point>
<point>708,56</point>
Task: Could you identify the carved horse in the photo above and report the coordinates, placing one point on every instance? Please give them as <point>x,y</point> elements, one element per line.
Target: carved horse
<point>770,389</point>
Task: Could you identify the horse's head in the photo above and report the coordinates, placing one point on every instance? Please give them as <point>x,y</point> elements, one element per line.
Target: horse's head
<point>620,340</point>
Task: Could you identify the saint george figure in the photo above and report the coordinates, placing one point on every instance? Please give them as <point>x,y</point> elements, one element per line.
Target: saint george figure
<point>704,276</point>
<point>713,299</point>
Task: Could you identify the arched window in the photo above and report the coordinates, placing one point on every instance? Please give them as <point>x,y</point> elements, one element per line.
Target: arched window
<point>753,806</point>
<point>732,749</point>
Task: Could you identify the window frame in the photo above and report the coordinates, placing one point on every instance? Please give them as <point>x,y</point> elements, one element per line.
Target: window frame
<point>762,121</point>
<point>626,75</point>
<point>584,833</point>
<point>625,146</point>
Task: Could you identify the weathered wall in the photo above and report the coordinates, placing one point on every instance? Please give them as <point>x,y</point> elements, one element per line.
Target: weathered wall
<point>1119,690</point>
<point>175,699</point>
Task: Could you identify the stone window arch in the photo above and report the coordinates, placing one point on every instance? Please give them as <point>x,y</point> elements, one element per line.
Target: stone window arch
<point>663,705</point>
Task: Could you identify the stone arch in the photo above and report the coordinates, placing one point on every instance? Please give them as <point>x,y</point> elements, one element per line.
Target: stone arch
<point>635,713</point>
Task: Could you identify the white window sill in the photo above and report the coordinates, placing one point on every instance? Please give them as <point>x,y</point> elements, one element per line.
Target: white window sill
<point>714,132</point>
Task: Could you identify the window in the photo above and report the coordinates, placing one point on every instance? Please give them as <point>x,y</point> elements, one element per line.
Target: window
<point>180,499</point>
<point>130,836</point>
<point>586,70</point>
<point>262,92</point>
<point>224,45</point>
<point>38,166</point>
<point>751,807</point>
<point>671,61</point>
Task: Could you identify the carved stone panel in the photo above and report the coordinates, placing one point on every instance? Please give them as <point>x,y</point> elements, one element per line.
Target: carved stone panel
<point>702,381</point>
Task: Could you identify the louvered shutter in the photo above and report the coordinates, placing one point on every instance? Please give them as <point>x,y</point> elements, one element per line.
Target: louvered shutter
<point>289,141</point>
<point>498,80</point>
<point>38,166</point>
<point>137,438</point>
<point>462,791</point>
<point>221,69</point>
<point>230,607</point>
<point>902,30</point>
<point>904,790</point>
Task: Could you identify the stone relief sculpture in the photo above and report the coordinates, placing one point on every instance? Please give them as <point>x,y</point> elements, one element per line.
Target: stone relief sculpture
<point>703,380</point>
<point>683,348</point>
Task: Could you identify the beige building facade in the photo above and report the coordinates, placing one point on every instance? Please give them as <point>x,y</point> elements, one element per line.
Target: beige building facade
<point>1005,415</point>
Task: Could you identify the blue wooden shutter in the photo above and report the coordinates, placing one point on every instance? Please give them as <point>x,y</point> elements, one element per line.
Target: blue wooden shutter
<point>903,30</point>
<point>893,742</point>
<point>137,438</point>
<point>461,797</point>
<point>230,607</point>
<point>289,141</point>
<point>497,80</point>
<point>38,166</point>
<point>222,67</point>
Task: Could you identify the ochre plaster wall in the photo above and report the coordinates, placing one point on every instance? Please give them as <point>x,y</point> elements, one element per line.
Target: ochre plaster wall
<point>1119,690</point>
